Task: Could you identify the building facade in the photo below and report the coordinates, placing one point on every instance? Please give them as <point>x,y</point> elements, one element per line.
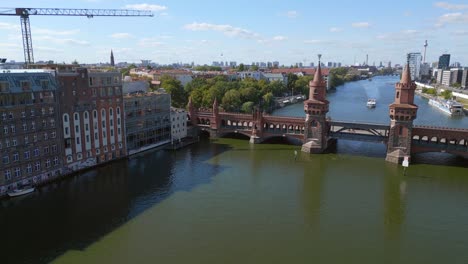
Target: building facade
<point>444,62</point>
<point>464,81</point>
<point>446,77</point>
<point>30,138</point>
<point>415,65</point>
<point>178,124</point>
<point>92,117</point>
<point>147,120</point>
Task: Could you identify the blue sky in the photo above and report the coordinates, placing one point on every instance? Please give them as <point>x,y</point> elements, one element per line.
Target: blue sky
<point>244,31</point>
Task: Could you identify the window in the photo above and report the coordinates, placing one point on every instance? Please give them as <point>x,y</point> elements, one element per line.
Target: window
<point>51,110</point>
<point>46,136</point>
<point>4,87</point>
<point>15,157</point>
<point>46,150</point>
<point>5,130</point>
<point>76,116</point>
<point>95,136</point>
<point>33,125</point>
<point>6,159</point>
<point>25,85</point>
<point>25,127</point>
<point>86,115</point>
<point>29,169</point>
<point>112,132</point>
<point>118,121</point>
<point>111,122</point>
<point>111,112</point>
<point>35,138</point>
<point>397,95</point>
<point>13,129</point>
<point>118,131</point>
<point>17,172</point>
<point>118,110</point>
<point>103,124</point>
<point>77,129</point>
<point>23,114</point>
<point>33,113</point>
<point>110,91</point>
<point>87,127</point>
<point>27,154</point>
<point>14,142</point>
<point>52,123</point>
<point>7,143</point>
<point>37,166</point>
<point>47,164</point>
<point>56,163</point>
<point>53,134</point>
<point>10,115</point>
<point>36,152</point>
<point>45,84</point>
<point>94,92</point>
<point>65,118</point>
<point>7,174</point>
<point>104,134</point>
<point>77,140</point>
<point>44,123</point>
<point>43,111</point>
<point>95,114</point>
<point>54,148</point>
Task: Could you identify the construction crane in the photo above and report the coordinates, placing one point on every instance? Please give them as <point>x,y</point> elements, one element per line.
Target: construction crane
<point>24,14</point>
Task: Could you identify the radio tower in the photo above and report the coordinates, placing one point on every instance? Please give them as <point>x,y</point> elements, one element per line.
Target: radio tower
<point>425,46</point>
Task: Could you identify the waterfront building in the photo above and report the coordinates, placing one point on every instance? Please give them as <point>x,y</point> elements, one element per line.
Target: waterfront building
<point>178,124</point>
<point>444,62</point>
<point>92,117</point>
<point>456,75</point>
<point>30,138</point>
<point>415,65</point>
<point>147,118</point>
<point>446,77</point>
<point>271,77</point>
<point>464,82</point>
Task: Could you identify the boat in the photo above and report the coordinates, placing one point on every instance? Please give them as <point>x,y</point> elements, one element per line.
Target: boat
<point>450,107</point>
<point>371,103</point>
<point>21,191</point>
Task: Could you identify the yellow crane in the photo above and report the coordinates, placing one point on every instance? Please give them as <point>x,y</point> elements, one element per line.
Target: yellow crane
<point>24,14</point>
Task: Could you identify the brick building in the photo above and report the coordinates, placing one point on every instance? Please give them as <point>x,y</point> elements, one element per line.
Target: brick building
<point>92,117</point>
<point>30,138</point>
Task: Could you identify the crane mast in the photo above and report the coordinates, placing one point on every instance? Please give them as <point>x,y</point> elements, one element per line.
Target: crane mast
<point>24,14</point>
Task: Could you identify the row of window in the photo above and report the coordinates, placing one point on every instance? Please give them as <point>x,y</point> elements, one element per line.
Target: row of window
<point>13,142</point>
<point>15,157</point>
<point>24,114</point>
<point>17,172</point>
<point>32,126</point>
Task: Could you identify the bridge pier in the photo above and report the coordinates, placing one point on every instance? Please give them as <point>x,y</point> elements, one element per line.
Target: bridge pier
<point>255,140</point>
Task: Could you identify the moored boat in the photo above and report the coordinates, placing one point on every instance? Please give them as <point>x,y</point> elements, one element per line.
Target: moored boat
<point>21,191</point>
<point>450,107</point>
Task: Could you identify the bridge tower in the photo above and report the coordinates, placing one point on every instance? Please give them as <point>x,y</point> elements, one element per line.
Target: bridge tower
<point>214,123</point>
<point>316,108</point>
<point>192,112</point>
<point>402,113</point>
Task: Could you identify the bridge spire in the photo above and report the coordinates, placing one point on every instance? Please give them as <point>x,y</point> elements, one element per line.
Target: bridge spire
<point>402,113</point>
<point>192,112</point>
<point>316,137</point>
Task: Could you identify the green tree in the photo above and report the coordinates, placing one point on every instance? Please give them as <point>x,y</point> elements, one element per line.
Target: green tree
<point>254,67</point>
<point>175,88</point>
<point>268,101</point>
<point>231,100</point>
<point>276,87</point>
<point>292,78</point>
<point>241,67</point>
<point>249,94</point>
<point>247,107</point>
<point>302,84</point>
<point>197,97</point>
<point>447,94</point>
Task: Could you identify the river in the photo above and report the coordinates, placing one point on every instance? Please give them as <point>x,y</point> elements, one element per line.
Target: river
<point>227,201</point>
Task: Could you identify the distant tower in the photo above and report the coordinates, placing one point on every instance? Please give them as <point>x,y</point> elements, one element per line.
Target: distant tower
<point>402,113</point>
<point>367,59</point>
<point>316,108</point>
<point>112,63</point>
<point>425,47</point>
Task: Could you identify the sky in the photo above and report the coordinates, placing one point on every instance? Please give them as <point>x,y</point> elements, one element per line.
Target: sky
<point>245,31</point>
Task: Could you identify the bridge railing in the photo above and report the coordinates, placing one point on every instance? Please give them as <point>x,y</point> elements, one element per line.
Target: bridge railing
<point>442,128</point>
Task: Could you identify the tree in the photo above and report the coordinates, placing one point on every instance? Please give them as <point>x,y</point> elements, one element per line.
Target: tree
<point>267,101</point>
<point>241,67</point>
<point>197,97</point>
<point>254,67</point>
<point>175,89</point>
<point>247,107</point>
<point>249,94</point>
<point>292,78</point>
<point>447,94</point>
<point>302,84</point>
<point>231,100</point>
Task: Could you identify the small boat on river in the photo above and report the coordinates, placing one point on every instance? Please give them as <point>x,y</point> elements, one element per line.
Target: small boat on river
<point>21,191</point>
<point>371,103</point>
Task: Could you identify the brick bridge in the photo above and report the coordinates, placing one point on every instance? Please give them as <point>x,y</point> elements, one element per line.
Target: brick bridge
<point>317,132</point>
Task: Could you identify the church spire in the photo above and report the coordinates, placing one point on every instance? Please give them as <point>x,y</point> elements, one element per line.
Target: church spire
<point>112,63</point>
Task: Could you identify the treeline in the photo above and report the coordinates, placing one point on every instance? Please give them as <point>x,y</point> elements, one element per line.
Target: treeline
<point>339,76</point>
<point>233,95</point>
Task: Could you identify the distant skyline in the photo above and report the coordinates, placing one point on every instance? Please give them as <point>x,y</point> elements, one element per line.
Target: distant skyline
<point>244,31</point>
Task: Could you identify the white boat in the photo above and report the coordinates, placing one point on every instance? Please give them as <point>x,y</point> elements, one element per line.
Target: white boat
<point>450,107</point>
<point>21,191</point>
<point>371,103</point>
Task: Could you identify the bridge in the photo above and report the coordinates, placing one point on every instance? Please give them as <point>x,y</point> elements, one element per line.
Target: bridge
<point>316,132</point>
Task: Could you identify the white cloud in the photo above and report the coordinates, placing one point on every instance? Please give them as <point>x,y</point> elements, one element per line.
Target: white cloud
<point>316,41</point>
<point>9,26</point>
<point>53,32</point>
<point>121,35</point>
<point>226,29</point>
<point>361,24</point>
<point>47,49</point>
<point>461,32</point>
<point>335,29</point>
<point>449,6</point>
<point>150,42</point>
<point>452,18</point>
<point>279,38</point>
<point>67,41</point>
<point>292,14</point>
<point>407,35</point>
<point>146,7</point>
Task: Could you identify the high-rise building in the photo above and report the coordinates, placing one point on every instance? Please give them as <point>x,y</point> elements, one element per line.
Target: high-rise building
<point>464,82</point>
<point>415,65</point>
<point>92,117</point>
<point>444,61</point>
<point>30,138</point>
